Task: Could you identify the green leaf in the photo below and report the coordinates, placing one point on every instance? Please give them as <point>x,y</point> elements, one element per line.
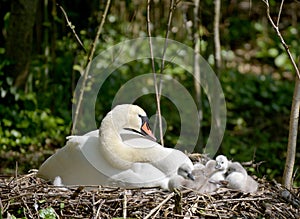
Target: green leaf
<point>47,213</point>
<point>273,52</point>
<point>281,60</point>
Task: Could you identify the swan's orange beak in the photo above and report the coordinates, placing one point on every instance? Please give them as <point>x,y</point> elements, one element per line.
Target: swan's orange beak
<point>145,128</point>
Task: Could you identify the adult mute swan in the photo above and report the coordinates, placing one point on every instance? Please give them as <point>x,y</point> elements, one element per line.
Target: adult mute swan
<point>122,153</point>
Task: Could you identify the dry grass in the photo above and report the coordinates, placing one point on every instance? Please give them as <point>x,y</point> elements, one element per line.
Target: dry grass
<point>30,197</point>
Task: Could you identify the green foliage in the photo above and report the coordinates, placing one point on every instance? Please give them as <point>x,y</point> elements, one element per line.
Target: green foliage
<point>257,122</point>
<point>47,213</point>
<point>25,125</point>
<point>270,49</point>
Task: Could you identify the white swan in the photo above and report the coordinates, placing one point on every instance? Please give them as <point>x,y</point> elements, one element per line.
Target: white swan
<point>123,154</point>
<point>238,179</point>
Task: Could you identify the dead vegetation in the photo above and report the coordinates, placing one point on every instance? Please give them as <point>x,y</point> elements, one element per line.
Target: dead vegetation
<point>31,197</point>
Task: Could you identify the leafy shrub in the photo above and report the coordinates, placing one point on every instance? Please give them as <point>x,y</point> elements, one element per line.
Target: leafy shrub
<point>26,128</point>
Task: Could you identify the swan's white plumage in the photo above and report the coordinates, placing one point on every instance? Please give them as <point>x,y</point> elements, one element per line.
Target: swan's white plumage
<point>115,155</point>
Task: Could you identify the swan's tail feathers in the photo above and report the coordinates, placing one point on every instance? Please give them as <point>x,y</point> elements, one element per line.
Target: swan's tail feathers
<point>70,137</point>
<point>58,181</point>
<point>75,140</point>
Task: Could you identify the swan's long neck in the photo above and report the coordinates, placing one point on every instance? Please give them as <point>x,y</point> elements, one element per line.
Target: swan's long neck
<point>121,155</point>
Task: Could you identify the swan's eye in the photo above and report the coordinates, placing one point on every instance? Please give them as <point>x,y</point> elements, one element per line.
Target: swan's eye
<point>145,120</point>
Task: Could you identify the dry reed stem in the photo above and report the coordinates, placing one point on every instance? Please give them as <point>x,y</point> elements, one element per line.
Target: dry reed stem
<point>87,68</point>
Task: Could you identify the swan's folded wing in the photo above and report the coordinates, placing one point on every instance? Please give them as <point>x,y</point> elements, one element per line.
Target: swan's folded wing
<point>74,163</point>
<point>140,175</point>
<point>136,140</point>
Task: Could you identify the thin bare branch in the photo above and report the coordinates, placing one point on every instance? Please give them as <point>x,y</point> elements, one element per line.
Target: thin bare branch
<point>125,205</point>
<point>154,74</point>
<point>279,13</point>
<point>170,16</point>
<point>162,67</point>
<point>72,27</point>
<point>89,61</point>
<point>198,93</point>
<point>217,42</point>
<point>149,34</point>
<point>159,206</point>
<point>286,47</point>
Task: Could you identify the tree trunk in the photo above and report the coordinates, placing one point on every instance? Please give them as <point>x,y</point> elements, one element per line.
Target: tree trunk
<point>292,142</point>
<point>19,39</point>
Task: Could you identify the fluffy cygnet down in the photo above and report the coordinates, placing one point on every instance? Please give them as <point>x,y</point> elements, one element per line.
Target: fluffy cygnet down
<point>183,178</point>
<point>201,182</point>
<point>238,179</point>
<point>221,165</point>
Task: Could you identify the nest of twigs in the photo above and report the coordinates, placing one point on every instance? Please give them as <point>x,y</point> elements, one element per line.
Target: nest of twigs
<point>31,197</point>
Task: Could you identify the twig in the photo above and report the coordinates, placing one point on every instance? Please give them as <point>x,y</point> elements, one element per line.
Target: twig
<point>28,209</point>
<point>93,203</point>
<point>214,206</point>
<point>242,199</point>
<point>154,74</point>
<point>125,205</point>
<point>178,205</point>
<point>72,27</point>
<point>170,16</point>
<point>16,170</point>
<point>218,60</point>
<point>88,65</point>
<point>160,204</point>
<point>276,28</point>
<point>196,68</point>
<point>279,13</point>
<point>98,210</point>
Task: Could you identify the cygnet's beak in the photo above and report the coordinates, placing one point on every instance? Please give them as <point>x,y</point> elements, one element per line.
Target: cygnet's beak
<point>218,166</point>
<point>145,128</point>
<point>191,176</point>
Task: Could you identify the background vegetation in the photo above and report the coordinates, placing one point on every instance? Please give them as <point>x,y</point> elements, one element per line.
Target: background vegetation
<point>256,76</point>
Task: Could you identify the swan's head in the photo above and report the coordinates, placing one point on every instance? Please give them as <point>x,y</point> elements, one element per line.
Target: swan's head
<point>221,162</point>
<point>131,117</point>
<point>185,171</point>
